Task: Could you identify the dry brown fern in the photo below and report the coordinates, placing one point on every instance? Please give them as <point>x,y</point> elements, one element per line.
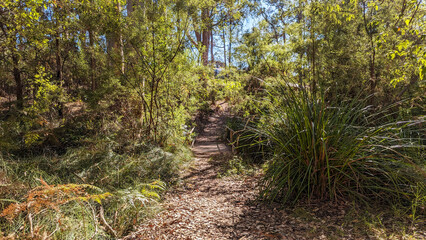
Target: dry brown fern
<point>52,197</point>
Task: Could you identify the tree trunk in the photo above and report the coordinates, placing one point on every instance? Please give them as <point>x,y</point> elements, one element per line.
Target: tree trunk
<point>372,49</point>
<point>92,60</point>
<point>129,7</point>
<point>18,82</point>
<point>314,82</point>
<point>58,60</point>
<point>211,46</point>
<point>224,46</point>
<point>115,41</point>
<point>19,90</point>
<point>230,46</point>
<point>205,36</point>
<point>120,41</point>
<point>205,55</point>
<point>57,43</point>
<point>372,70</point>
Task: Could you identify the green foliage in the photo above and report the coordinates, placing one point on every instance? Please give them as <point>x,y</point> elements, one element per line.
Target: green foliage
<point>227,85</point>
<point>355,47</point>
<point>95,94</point>
<point>237,166</point>
<point>241,137</point>
<point>70,210</point>
<point>336,151</point>
<point>132,205</point>
<point>46,94</point>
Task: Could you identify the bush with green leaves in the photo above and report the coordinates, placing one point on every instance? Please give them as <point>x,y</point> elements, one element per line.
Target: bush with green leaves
<point>345,150</point>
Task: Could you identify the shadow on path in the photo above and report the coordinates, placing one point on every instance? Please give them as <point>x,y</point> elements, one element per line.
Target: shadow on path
<point>205,206</point>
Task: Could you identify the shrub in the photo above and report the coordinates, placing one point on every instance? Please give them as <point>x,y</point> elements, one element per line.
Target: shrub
<point>336,151</point>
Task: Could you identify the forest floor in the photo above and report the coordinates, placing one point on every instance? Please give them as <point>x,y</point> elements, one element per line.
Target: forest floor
<point>206,205</point>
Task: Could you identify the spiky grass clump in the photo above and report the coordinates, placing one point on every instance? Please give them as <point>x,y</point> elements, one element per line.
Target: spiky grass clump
<point>335,151</point>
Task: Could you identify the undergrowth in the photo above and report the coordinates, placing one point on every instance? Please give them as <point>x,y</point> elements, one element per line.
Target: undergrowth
<point>97,182</point>
<point>236,166</point>
<point>339,151</point>
<point>128,187</point>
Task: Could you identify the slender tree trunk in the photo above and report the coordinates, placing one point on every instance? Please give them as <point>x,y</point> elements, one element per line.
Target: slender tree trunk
<point>58,60</point>
<point>92,60</point>
<point>110,45</point>
<point>120,41</point>
<point>198,36</point>
<point>57,43</point>
<point>224,46</point>
<point>230,46</point>
<point>301,53</point>
<point>284,37</point>
<point>211,46</point>
<point>115,41</point>
<point>373,51</point>
<point>18,82</point>
<point>19,89</point>
<point>129,7</point>
<point>372,70</point>
<point>314,82</point>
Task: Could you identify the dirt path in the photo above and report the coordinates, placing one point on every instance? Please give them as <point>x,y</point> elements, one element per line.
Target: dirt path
<point>205,206</point>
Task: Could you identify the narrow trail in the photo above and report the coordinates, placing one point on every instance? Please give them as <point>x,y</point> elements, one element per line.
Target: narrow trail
<point>205,206</point>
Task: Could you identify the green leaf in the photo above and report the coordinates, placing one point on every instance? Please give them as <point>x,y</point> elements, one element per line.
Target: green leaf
<point>422,71</point>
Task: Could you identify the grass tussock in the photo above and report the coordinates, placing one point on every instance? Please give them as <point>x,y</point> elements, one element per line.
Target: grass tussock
<point>337,151</point>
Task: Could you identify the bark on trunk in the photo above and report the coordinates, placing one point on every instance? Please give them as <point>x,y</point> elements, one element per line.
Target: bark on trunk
<point>19,89</point>
<point>114,43</point>
<point>58,61</point>
<point>206,44</point>
<point>373,71</point>
<point>92,60</point>
<point>206,36</point>
<point>211,46</point>
<point>314,82</point>
<point>230,46</point>
<point>224,46</point>
<point>120,41</point>
<point>129,7</point>
<point>18,82</point>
